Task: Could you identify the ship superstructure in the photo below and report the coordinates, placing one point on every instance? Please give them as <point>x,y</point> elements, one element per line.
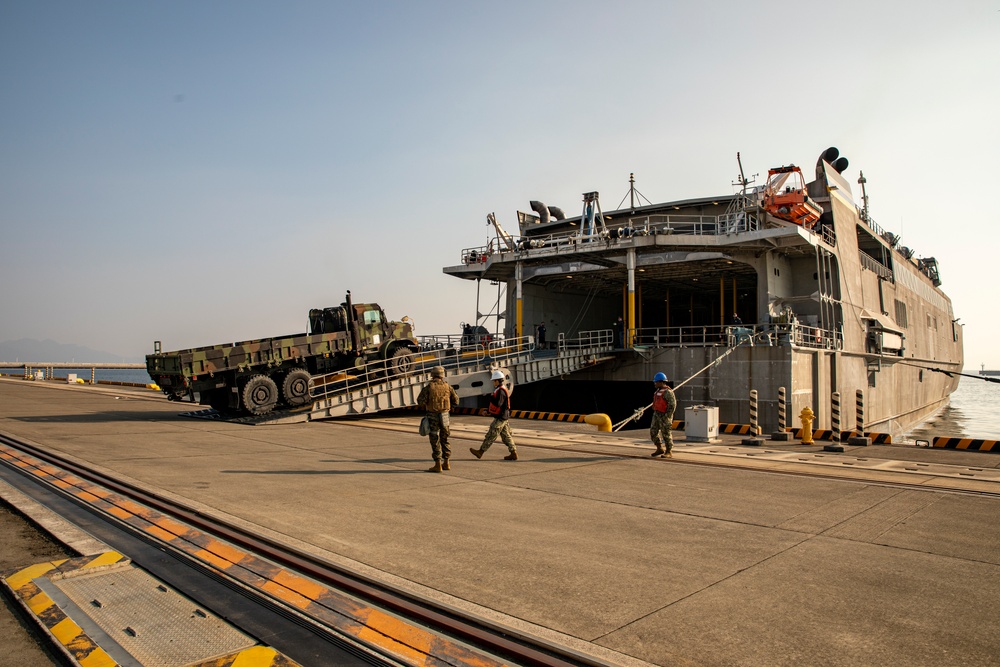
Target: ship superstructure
<point>816,295</point>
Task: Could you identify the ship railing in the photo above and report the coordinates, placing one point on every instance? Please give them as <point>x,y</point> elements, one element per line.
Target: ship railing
<point>477,255</point>
<point>735,335</point>
<point>599,338</point>
<point>875,266</point>
<point>740,221</point>
<point>868,220</point>
<point>829,235</point>
<point>649,225</point>
<point>461,341</point>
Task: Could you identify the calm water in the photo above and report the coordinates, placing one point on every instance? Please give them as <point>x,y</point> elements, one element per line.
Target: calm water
<point>974,411</point>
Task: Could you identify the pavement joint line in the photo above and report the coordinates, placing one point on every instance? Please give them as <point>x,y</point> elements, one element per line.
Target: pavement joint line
<point>829,462</point>
<point>732,574</point>
<point>390,633</point>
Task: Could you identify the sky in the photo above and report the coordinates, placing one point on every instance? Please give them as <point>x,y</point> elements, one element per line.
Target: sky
<point>204,172</point>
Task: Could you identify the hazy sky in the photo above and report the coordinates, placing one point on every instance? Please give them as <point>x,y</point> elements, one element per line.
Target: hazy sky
<point>201,172</point>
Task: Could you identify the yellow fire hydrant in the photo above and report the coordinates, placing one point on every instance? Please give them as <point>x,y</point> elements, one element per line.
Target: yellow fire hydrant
<point>806,417</point>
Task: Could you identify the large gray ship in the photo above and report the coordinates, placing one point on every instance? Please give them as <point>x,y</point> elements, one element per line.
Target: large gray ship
<point>814,296</point>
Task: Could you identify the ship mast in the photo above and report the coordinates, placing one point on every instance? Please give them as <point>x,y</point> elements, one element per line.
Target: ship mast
<point>743,181</point>
<point>864,196</point>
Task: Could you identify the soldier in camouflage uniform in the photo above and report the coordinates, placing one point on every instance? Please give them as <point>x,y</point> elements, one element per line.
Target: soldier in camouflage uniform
<point>664,404</point>
<point>438,398</point>
<point>500,411</point>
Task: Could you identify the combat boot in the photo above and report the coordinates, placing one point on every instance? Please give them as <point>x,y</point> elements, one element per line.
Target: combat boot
<point>511,457</point>
<point>478,453</point>
<point>659,452</point>
<point>436,468</point>
<point>445,465</point>
<point>666,455</point>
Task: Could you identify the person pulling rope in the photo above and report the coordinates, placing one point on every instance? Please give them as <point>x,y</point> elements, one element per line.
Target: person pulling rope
<point>637,414</point>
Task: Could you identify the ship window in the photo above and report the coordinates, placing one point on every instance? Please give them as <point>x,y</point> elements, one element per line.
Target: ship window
<point>777,272</point>
<point>921,375</point>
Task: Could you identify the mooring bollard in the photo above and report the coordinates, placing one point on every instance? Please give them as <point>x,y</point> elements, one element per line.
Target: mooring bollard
<point>859,405</point>
<point>782,433</point>
<point>753,440</point>
<point>835,415</point>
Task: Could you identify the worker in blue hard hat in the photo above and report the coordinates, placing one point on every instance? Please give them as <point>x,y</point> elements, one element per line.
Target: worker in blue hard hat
<point>664,404</point>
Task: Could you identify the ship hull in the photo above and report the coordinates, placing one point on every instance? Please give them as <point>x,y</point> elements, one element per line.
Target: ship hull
<point>836,311</point>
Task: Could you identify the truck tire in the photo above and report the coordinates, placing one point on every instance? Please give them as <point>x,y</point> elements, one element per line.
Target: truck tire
<point>400,363</point>
<point>295,388</point>
<point>260,395</point>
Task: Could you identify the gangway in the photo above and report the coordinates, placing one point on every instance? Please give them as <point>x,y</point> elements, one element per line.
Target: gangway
<point>467,369</point>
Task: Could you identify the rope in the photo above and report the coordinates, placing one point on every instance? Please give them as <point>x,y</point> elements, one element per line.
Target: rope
<point>951,373</point>
<point>637,414</point>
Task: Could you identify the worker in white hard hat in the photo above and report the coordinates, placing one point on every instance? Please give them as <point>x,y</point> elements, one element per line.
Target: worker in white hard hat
<point>499,409</point>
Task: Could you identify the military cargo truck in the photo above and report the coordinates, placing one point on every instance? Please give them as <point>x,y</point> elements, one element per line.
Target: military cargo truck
<point>258,375</point>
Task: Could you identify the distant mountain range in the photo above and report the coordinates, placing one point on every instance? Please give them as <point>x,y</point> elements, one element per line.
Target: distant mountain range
<point>28,349</point>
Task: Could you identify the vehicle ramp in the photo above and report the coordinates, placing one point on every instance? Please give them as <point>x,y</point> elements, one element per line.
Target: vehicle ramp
<point>468,370</point>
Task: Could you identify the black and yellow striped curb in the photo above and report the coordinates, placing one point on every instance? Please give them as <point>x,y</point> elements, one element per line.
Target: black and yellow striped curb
<point>407,642</point>
<point>969,444</point>
<point>877,438</point>
<point>737,429</point>
<point>76,643</point>
<point>548,416</point>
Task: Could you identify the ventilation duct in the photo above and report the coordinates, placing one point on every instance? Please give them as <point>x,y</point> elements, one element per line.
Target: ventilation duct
<point>542,211</point>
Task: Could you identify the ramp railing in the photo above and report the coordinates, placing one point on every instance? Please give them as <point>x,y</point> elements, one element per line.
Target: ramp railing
<point>454,360</point>
<point>395,383</point>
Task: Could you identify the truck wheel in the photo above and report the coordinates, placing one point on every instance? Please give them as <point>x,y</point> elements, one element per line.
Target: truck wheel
<point>260,395</point>
<point>295,388</point>
<point>400,363</point>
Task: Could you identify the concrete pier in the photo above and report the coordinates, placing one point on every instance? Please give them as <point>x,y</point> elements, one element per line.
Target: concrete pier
<point>723,555</point>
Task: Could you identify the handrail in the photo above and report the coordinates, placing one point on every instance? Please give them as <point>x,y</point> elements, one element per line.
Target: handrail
<point>648,225</point>
<point>455,360</point>
<point>734,335</point>
<point>875,266</point>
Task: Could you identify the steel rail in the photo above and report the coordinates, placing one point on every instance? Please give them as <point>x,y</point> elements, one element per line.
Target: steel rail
<point>508,643</point>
